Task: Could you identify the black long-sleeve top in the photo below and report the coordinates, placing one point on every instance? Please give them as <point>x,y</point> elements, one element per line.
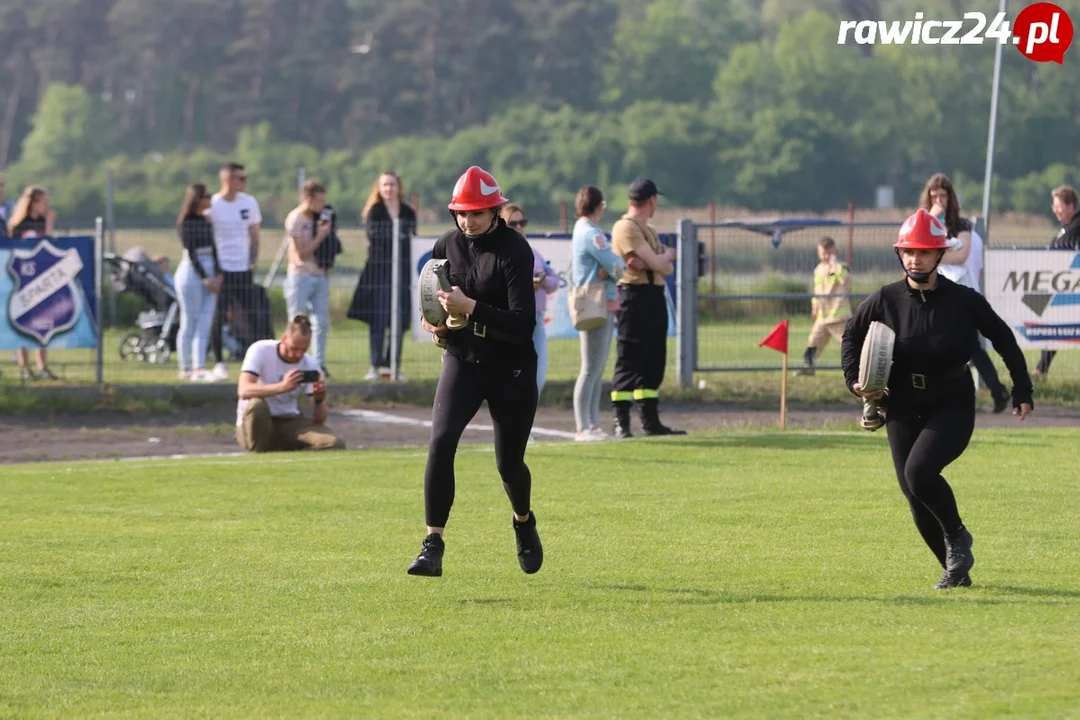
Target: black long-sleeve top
<point>935,335</point>
<point>495,270</point>
<point>197,233</point>
<point>1068,238</point>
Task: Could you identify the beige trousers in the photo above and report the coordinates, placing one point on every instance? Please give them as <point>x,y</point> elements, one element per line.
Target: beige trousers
<point>261,432</point>
<point>823,329</point>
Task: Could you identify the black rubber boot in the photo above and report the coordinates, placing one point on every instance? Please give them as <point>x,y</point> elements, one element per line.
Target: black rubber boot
<point>650,419</point>
<point>808,360</point>
<point>622,419</point>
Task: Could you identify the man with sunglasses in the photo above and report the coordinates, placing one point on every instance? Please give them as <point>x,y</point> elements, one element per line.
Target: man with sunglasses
<point>489,356</point>
<point>236,219</point>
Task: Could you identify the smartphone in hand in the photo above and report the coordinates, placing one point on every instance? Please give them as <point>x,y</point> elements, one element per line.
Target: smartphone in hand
<point>311,376</point>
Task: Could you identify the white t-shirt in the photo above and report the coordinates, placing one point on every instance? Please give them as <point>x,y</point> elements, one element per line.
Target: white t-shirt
<point>263,360</point>
<point>966,274</point>
<point>231,221</point>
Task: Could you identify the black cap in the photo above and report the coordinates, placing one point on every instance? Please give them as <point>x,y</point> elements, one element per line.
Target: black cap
<point>643,189</point>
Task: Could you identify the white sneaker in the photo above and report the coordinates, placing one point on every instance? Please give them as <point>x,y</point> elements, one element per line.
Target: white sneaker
<point>587,436</point>
<point>183,375</point>
<point>372,374</point>
<point>201,375</point>
<point>600,433</point>
<point>220,372</point>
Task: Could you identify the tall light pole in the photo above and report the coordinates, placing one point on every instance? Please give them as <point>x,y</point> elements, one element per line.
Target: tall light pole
<point>987,179</point>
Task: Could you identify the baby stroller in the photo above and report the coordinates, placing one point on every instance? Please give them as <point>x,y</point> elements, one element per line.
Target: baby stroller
<point>136,273</point>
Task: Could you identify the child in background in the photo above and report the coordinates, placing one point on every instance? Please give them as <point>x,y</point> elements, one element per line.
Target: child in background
<point>830,307</point>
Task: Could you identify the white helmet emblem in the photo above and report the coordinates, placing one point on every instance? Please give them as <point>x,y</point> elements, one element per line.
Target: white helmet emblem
<point>486,189</point>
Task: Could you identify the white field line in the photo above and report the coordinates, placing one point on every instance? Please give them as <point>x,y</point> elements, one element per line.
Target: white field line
<point>391,419</point>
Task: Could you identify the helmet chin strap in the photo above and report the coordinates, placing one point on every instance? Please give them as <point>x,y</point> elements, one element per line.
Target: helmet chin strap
<point>494,222</point>
<point>918,276</point>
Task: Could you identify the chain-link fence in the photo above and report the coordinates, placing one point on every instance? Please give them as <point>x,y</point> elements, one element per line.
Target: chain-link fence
<point>763,274</point>
<point>767,275</point>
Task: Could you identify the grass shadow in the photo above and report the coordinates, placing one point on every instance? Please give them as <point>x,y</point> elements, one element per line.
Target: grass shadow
<point>708,596</point>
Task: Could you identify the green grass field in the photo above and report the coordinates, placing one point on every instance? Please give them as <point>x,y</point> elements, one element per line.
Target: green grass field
<point>738,574</point>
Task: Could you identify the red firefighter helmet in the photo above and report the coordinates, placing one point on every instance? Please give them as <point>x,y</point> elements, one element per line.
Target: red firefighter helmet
<point>477,189</point>
<point>922,231</point>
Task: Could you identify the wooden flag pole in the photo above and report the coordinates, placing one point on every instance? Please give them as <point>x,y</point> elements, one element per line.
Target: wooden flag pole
<point>777,340</point>
<point>783,392</point>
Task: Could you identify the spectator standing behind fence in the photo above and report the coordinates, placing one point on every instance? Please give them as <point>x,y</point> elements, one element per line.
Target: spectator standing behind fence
<point>545,282</point>
<point>1068,238</point>
<point>198,281</point>
<point>307,286</point>
<point>830,307</point>
<point>371,303</point>
<point>32,217</point>
<point>642,318</point>
<point>236,218</point>
<point>962,263</point>
<point>593,261</point>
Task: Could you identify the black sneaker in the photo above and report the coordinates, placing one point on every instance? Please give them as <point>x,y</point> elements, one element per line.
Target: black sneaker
<point>529,551</point>
<point>958,555</point>
<point>429,561</point>
<point>951,581</point>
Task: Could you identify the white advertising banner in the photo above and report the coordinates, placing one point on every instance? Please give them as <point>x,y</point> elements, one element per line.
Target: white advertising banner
<point>557,318</point>
<point>1037,292</point>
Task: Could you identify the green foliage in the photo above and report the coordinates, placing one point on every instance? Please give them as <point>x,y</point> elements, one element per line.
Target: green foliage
<point>738,101</point>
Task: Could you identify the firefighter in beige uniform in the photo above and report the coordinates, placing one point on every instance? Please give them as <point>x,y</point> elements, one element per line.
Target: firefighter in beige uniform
<point>831,307</point>
<point>642,317</point>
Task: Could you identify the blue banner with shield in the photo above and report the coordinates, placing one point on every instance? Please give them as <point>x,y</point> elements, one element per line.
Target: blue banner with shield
<point>48,293</point>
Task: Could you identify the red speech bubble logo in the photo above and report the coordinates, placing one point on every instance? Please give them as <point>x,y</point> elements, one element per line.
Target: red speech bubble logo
<point>1043,32</point>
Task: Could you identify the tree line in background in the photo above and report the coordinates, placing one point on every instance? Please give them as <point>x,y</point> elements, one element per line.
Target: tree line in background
<point>742,102</point>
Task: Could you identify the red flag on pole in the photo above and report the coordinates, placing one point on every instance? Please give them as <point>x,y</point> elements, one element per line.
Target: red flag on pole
<point>777,338</point>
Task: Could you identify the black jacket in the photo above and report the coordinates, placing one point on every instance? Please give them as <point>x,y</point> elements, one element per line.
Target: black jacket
<point>935,334</point>
<point>371,301</point>
<point>496,271</point>
<point>1068,238</point>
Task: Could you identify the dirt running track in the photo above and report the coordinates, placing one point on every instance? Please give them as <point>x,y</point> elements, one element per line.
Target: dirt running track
<point>117,435</point>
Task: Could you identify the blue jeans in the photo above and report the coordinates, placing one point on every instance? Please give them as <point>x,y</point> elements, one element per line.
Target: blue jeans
<point>595,348</point>
<point>541,344</point>
<point>310,294</point>
<point>197,305</point>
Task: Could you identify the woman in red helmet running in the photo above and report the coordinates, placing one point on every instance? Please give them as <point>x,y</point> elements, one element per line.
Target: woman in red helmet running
<point>931,396</point>
<point>491,358</point>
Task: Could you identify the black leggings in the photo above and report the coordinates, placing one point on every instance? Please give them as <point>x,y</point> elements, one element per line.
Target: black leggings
<point>922,446</point>
<point>511,394</point>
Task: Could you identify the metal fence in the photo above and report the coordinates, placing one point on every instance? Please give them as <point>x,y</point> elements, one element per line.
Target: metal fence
<point>767,270</point>
<point>763,274</point>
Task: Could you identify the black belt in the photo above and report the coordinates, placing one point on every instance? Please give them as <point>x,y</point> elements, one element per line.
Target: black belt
<point>935,381</point>
<point>486,332</point>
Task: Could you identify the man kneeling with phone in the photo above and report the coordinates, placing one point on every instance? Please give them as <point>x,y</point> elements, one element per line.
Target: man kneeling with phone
<point>271,379</point>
